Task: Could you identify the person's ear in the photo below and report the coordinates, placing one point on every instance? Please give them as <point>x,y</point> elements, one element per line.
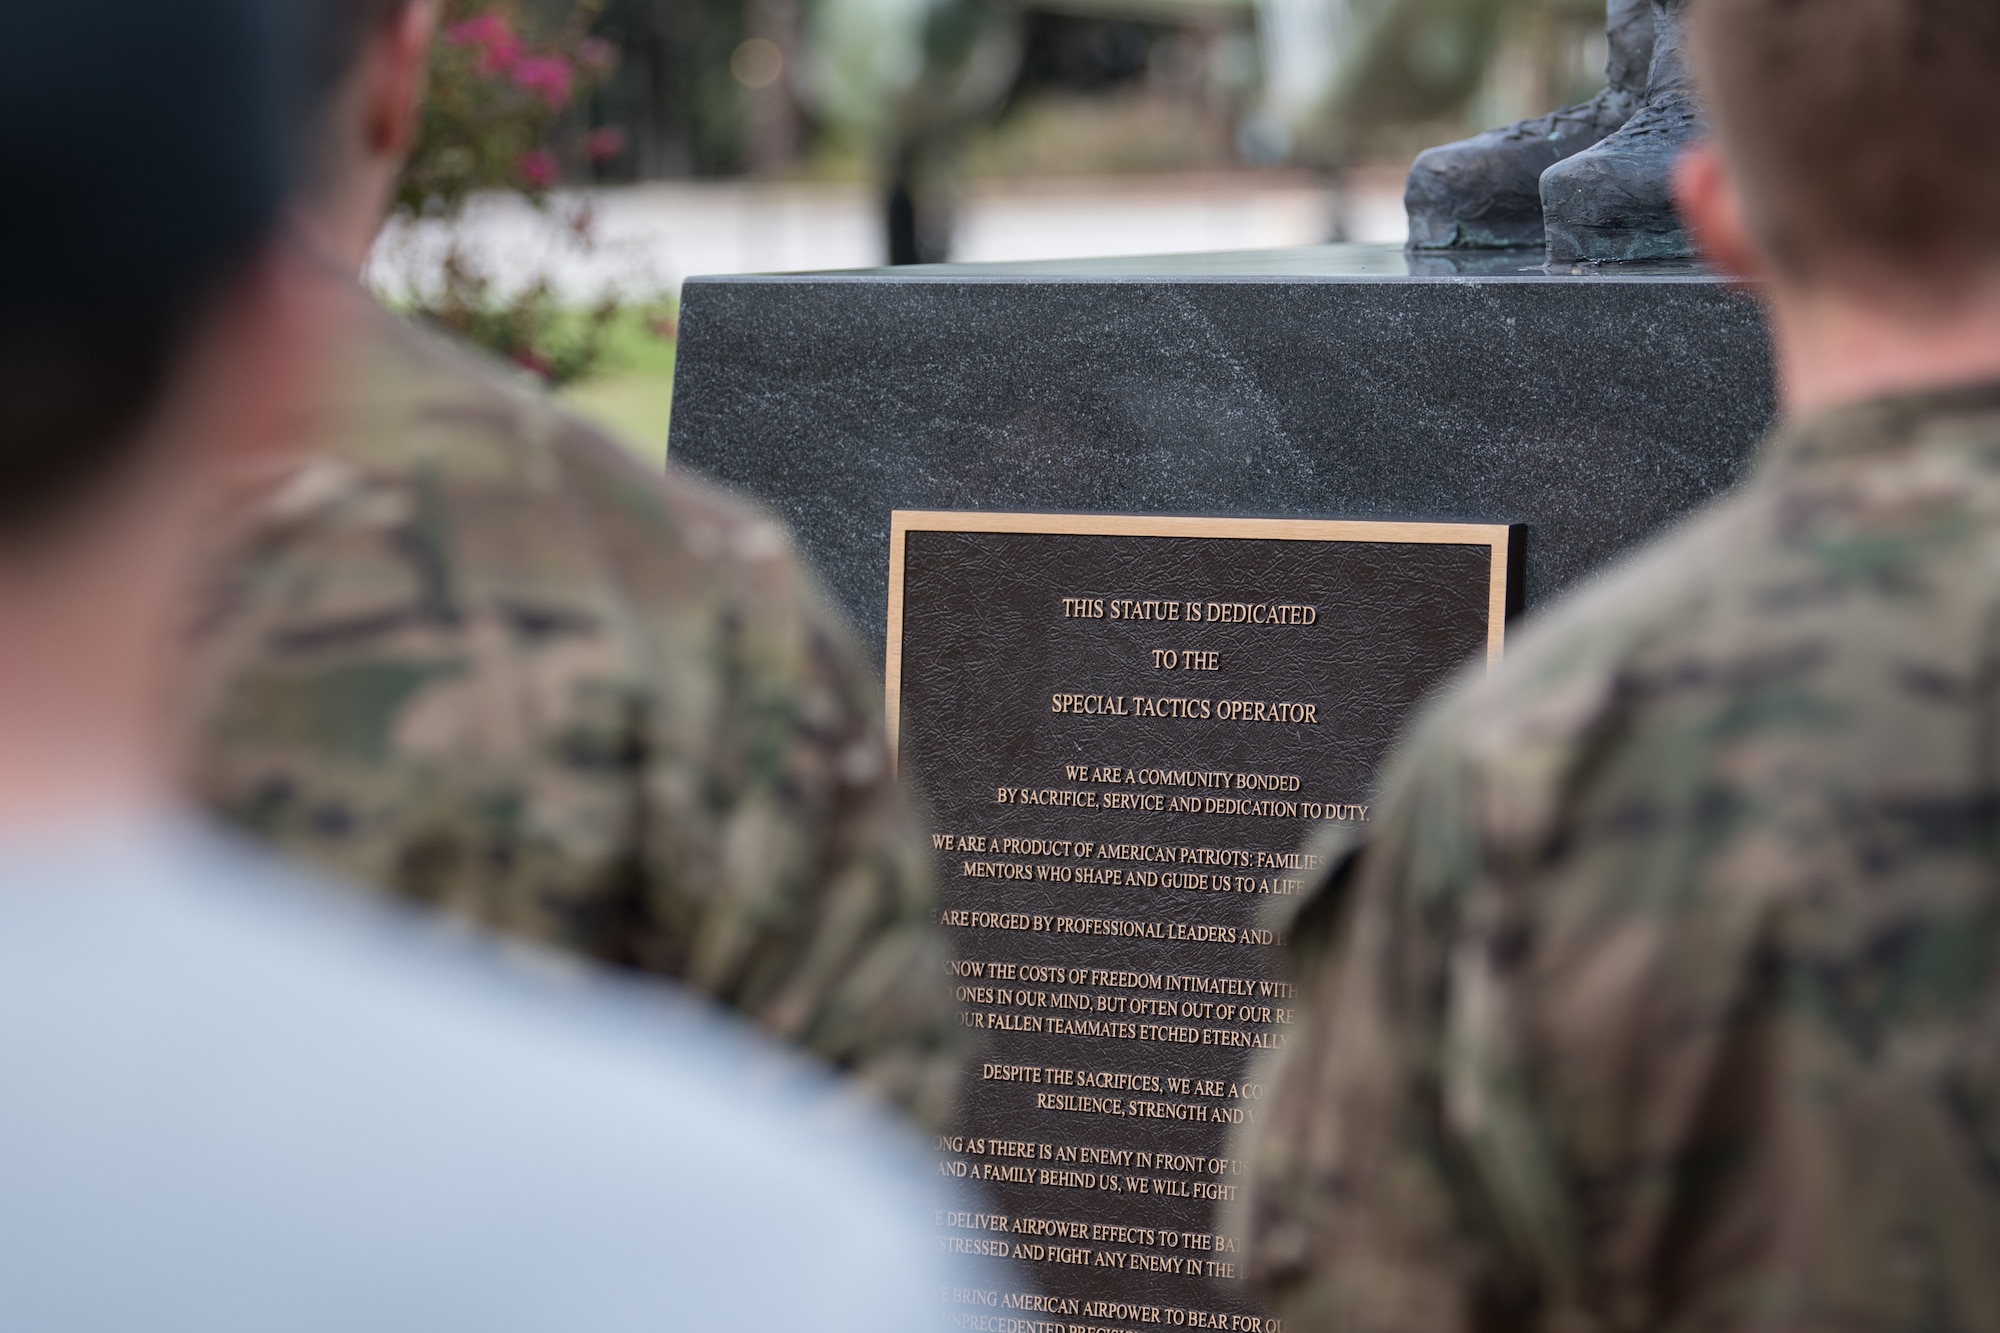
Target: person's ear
<point>1711,206</point>
<point>396,82</point>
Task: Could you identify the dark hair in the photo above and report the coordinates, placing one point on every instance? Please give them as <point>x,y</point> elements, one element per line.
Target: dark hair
<point>73,404</point>
<point>148,152</point>
<point>1862,130</point>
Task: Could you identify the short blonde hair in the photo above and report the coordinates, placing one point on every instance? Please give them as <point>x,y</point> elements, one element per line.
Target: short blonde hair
<point>1862,130</point>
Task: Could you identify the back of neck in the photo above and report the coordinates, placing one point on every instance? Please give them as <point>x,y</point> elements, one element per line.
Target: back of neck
<point>1836,347</point>
<point>90,624</point>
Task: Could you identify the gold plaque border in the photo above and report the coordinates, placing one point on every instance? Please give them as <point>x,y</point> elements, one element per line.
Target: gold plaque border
<point>1496,537</point>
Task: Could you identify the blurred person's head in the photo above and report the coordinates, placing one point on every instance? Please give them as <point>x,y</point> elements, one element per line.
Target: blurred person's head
<point>151,324</point>
<point>366,93</point>
<point>1852,171</point>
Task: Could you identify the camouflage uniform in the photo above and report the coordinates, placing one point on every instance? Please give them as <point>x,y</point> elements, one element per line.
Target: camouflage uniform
<point>473,653</point>
<point>1666,993</point>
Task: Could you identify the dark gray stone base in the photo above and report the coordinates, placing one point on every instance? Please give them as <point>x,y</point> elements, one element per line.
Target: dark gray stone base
<point>1593,405</point>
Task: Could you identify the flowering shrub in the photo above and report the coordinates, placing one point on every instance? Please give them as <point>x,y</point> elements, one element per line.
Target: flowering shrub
<point>501,115</point>
<point>497,113</point>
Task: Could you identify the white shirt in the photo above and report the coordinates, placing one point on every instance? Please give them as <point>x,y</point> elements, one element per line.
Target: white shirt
<point>234,1099</point>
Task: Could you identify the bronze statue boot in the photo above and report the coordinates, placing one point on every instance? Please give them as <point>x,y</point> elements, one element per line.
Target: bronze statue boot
<point>1614,200</point>
<point>1484,192</point>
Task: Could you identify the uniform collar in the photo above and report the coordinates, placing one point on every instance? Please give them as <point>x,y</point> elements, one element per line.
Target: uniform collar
<point>1883,425</point>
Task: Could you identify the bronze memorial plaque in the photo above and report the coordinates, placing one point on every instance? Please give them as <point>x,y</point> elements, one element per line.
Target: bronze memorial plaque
<point>1125,730</point>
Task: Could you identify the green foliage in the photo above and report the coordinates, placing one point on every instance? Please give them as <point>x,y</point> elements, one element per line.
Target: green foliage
<point>529,328</point>
<point>500,117</point>
<point>631,395</point>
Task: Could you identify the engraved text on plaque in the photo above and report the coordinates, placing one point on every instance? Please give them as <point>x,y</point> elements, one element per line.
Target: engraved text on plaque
<point>1127,732</point>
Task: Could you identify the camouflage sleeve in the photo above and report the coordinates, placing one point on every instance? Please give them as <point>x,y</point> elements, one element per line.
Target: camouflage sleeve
<point>1363,1214</point>
<point>473,655</point>
<point>821,926</point>
<point>786,875</point>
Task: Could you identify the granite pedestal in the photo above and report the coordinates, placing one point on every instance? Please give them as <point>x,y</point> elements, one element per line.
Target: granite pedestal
<point>1129,735</point>
<point>1592,405</point>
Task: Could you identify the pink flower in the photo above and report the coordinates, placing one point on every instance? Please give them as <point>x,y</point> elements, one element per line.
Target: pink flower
<point>498,47</point>
<point>595,54</point>
<point>480,30</point>
<point>602,143</point>
<point>533,362</point>
<point>548,75</point>
<point>538,169</point>
<point>499,57</point>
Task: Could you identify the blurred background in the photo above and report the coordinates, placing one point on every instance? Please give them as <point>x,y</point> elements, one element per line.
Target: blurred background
<point>579,158</point>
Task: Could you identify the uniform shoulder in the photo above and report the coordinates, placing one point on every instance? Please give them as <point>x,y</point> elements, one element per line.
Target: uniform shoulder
<point>409,404</point>
<point>716,525</point>
<point>1848,518</point>
<point>1568,672</point>
<point>402,392</point>
<point>1869,501</point>
<point>1664,594</point>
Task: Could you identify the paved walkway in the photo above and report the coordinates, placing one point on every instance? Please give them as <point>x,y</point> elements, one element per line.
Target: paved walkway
<point>652,236</point>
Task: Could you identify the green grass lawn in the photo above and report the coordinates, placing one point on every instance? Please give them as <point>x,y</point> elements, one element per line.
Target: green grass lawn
<point>633,395</point>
